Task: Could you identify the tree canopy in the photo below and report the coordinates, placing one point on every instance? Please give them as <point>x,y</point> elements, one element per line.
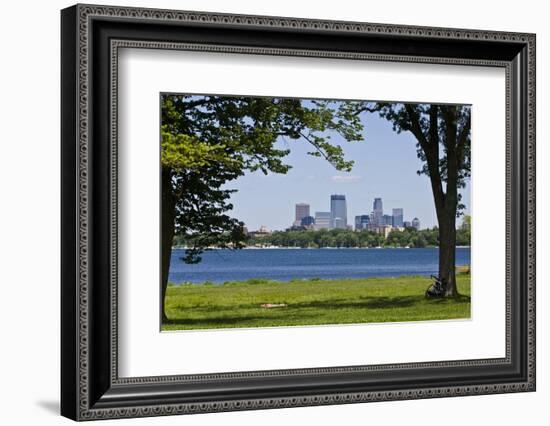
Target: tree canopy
<point>208,141</point>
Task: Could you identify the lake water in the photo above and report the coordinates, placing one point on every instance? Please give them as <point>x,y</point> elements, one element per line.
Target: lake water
<point>219,266</point>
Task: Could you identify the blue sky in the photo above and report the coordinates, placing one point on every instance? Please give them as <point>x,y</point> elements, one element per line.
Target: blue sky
<point>385,166</point>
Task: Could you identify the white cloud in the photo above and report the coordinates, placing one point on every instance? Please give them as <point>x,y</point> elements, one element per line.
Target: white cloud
<point>345,178</point>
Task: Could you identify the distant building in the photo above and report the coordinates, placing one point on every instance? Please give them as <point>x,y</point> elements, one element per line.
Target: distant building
<point>377,212</point>
<point>407,224</point>
<point>339,223</point>
<point>383,230</point>
<point>386,220</point>
<point>264,230</point>
<point>365,221</point>
<point>362,222</point>
<point>416,223</point>
<point>307,221</point>
<point>338,212</point>
<point>322,220</point>
<point>302,210</point>
<point>397,215</point>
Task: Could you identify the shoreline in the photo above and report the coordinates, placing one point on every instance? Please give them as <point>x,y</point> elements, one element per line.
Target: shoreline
<point>318,248</point>
<point>461,270</point>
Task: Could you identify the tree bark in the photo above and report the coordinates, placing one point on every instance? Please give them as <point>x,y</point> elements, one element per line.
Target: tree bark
<point>447,256</point>
<point>167,234</point>
<point>447,248</point>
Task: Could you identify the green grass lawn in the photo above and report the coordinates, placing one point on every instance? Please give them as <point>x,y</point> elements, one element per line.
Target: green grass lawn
<point>310,302</point>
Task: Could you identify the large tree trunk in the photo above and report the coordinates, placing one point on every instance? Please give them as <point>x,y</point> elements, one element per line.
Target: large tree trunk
<point>447,244</point>
<point>167,234</point>
<point>447,253</point>
<point>445,203</point>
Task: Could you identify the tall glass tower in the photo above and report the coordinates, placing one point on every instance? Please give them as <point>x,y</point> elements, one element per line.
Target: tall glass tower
<point>338,212</point>
<point>377,211</point>
<point>397,217</point>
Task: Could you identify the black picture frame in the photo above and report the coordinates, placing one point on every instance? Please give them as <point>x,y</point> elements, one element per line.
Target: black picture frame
<point>90,386</point>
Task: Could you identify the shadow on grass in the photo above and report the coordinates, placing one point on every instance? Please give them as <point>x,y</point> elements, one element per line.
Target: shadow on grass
<point>359,303</point>
<point>211,320</point>
<point>461,299</point>
<point>296,311</point>
<point>368,302</point>
<point>267,320</point>
<point>381,302</point>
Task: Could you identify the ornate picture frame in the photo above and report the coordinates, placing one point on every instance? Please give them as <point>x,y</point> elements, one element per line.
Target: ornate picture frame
<point>91,38</point>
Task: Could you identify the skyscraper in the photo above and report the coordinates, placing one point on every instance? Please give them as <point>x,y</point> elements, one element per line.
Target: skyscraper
<point>362,222</point>
<point>322,220</point>
<point>386,220</point>
<point>302,210</point>
<point>397,215</point>
<point>365,221</point>
<point>338,212</point>
<point>377,211</point>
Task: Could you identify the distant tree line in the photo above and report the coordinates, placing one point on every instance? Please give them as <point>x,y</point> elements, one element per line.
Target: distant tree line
<point>343,238</point>
<point>409,237</point>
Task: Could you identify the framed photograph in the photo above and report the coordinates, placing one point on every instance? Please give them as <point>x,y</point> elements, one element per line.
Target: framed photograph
<point>263,212</point>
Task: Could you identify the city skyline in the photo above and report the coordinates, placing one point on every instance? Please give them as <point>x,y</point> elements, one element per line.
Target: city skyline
<point>386,165</point>
<point>336,218</point>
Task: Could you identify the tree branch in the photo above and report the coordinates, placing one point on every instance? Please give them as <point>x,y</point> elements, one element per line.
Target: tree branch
<point>462,138</point>
<point>434,134</point>
<point>366,108</point>
<point>431,149</point>
<point>314,144</point>
<point>450,116</point>
<point>416,130</point>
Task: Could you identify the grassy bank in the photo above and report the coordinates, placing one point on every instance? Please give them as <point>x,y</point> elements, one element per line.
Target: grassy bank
<point>310,302</point>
